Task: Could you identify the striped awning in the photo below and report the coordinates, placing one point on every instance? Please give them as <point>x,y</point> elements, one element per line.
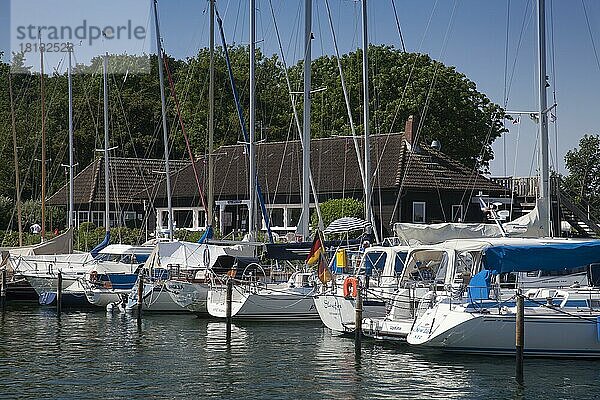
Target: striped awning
<point>346,224</point>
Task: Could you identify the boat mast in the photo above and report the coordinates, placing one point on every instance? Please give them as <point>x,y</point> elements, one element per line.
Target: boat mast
<point>367,163</point>
<point>106,160</point>
<point>16,159</point>
<point>306,120</point>
<point>544,196</point>
<point>70,79</point>
<point>211,118</point>
<point>252,151</point>
<point>159,54</point>
<point>43,161</point>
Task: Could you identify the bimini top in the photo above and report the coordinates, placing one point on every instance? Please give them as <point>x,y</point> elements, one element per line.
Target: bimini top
<point>541,255</point>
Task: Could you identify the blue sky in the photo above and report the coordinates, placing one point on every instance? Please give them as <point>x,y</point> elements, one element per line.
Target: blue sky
<point>468,34</point>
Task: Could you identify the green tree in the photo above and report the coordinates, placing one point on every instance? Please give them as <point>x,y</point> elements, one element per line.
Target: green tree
<point>401,84</point>
<point>583,164</point>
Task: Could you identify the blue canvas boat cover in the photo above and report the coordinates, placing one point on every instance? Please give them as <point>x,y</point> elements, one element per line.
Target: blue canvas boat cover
<point>541,256</point>
<point>479,286</point>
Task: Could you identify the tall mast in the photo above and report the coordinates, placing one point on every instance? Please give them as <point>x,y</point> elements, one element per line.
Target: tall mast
<point>71,202</point>
<point>252,152</point>
<point>306,120</point>
<point>543,121</point>
<point>106,160</point>
<point>159,53</point>
<point>211,118</point>
<point>43,206</point>
<point>16,159</point>
<point>365,76</point>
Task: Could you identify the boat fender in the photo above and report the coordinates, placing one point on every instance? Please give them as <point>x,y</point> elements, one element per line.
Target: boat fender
<point>350,283</point>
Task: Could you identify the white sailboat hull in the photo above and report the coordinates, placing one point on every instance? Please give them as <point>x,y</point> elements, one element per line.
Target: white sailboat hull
<point>191,296</point>
<point>547,333</point>
<point>277,304</point>
<point>339,313</point>
<point>156,298</point>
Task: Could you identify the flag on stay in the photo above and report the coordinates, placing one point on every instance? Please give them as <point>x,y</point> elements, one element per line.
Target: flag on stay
<point>317,256</point>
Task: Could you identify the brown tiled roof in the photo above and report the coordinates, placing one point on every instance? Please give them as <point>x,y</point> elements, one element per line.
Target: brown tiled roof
<point>128,178</point>
<point>334,167</point>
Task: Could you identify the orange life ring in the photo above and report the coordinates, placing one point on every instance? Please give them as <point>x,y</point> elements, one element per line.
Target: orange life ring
<point>350,282</point>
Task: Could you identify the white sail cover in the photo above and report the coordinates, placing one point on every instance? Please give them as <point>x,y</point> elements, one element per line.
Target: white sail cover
<point>61,244</point>
<point>414,234</point>
<point>189,255</point>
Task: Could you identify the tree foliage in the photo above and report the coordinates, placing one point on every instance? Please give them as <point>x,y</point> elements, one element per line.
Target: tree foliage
<point>583,164</point>
<point>338,208</point>
<point>401,84</point>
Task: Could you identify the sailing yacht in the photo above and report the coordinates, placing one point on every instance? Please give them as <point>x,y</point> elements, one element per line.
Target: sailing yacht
<point>256,300</point>
<point>177,275</point>
<point>378,271</point>
<point>480,317</point>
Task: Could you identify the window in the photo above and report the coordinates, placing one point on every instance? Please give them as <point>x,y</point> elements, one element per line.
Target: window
<point>418,212</point>
<point>183,218</point>
<point>293,217</point>
<point>276,217</point>
<point>164,218</point>
<point>83,216</point>
<point>374,260</point>
<point>457,213</point>
<point>129,215</point>
<point>98,218</point>
<point>399,262</point>
<point>201,219</point>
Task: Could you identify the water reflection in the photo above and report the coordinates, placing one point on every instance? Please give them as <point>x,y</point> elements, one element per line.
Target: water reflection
<point>185,357</point>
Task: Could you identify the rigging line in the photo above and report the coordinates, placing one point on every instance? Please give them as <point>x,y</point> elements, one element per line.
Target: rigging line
<point>554,80</point>
<point>346,96</point>
<point>243,125</point>
<point>524,24</point>
<point>505,100</point>
<point>404,92</point>
<point>515,170</point>
<point>295,112</point>
<point>283,156</point>
<point>185,136</point>
<point>398,26</point>
<point>587,21</point>
<point>429,94</point>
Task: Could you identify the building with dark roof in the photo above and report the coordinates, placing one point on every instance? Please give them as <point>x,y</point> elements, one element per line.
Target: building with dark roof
<point>129,177</point>
<point>412,182</point>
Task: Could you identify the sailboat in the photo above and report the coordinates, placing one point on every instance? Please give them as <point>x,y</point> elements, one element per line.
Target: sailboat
<point>557,322</point>
<point>254,298</point>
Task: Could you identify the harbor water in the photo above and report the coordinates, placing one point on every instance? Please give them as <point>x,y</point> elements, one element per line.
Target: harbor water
<point>107,355</point>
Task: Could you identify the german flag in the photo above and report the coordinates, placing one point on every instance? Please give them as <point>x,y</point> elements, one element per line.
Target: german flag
<point>317,256</point>
<point>316,250</point>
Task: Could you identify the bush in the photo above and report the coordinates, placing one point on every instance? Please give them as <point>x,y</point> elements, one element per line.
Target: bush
<point>338,208</point>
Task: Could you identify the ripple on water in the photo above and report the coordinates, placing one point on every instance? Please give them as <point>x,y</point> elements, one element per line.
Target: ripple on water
<point>99,355</point>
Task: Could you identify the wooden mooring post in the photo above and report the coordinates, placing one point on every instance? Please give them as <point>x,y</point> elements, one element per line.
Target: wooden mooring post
<point>140,298</point>
<point>59,288</point>
<point>228,301</point>
<point>3,289</point>
<point>519,336</point>
<point>358,320</point>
